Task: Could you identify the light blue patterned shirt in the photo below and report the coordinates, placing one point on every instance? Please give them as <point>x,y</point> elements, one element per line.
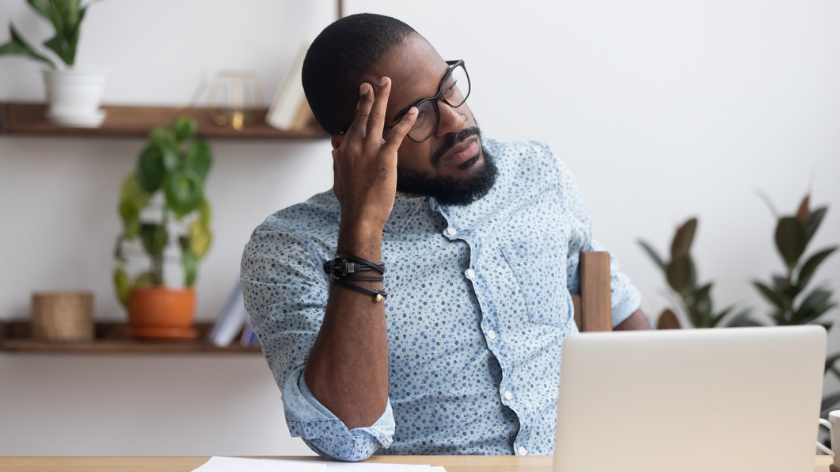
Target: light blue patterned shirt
<point>478,307</point>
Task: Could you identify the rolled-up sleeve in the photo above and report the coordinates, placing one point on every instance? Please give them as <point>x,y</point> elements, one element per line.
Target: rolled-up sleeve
<point>625,297</point>
<point>285,293</point>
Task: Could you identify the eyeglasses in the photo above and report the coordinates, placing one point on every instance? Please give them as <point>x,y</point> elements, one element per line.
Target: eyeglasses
<point>453,90</point>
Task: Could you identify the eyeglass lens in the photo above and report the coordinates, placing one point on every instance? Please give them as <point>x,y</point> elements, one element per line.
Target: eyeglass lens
<point>454,91</point>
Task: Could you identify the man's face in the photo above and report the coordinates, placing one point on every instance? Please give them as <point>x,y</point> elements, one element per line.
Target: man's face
<point>451,165</point>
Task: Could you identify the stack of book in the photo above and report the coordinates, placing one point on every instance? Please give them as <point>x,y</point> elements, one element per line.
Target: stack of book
<point>289,110</point>
<point>233,321</point>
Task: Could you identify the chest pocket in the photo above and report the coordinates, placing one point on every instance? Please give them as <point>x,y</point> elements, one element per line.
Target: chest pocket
<point>540,271</point>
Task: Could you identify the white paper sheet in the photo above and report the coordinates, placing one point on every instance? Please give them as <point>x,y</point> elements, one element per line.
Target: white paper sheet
<point>235,464</point>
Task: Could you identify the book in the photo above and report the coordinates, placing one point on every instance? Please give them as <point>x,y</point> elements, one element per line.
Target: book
<point>231,320</point>
<point>289,98</point>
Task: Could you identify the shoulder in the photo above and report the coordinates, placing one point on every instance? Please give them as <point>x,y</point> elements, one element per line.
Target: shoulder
<point>526,161</point>
<point>304,227</point>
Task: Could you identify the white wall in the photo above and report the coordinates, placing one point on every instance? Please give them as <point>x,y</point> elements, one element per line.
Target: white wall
<point>662,109</point>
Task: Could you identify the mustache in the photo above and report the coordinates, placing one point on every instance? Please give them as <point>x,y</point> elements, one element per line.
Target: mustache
<point>450,140</point>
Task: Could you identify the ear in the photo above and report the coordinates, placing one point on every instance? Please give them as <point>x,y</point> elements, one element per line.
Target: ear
<point>336,140</point>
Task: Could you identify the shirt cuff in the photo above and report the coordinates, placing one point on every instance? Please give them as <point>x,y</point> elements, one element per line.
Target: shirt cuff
<point>324,432</point>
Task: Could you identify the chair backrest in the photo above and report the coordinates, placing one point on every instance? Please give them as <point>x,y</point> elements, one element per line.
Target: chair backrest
<point>593,307</point>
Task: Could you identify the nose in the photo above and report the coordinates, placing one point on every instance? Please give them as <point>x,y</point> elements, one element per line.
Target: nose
<point>452,120</point>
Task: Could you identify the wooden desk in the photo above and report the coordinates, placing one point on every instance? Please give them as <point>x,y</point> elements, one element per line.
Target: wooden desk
<point>188,463</point>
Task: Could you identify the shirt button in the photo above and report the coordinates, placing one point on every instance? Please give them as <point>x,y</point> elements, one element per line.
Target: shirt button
<point>491,334</point>
<point>451,231</point>
<point>522,451</point>
<point>470,273</point>
<point>508,395</point>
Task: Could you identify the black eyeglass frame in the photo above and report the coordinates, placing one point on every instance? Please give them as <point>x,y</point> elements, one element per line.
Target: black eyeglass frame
<point>438,96</point>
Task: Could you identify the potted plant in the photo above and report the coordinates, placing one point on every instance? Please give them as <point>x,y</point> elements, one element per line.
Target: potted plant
<point>73,92</point>
<point>162,202</point>
<point>693,301</point>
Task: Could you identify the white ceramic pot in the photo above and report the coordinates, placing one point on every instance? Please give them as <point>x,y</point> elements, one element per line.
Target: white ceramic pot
<point>74,96</point>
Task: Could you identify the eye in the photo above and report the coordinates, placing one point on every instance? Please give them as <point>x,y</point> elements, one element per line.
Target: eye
<point>448,91</point>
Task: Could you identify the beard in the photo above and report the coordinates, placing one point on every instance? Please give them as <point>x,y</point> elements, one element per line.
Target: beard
<point>449,190</point>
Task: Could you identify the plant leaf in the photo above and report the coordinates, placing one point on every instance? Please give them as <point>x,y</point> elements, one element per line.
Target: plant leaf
<point>679,272</point>
<point>155,238</point>
<point>130,215</point>
<point>184,192</point>
<point>742,319</point>
<point>199,159</point>
<point>189,261</point>
<point>763,196</point>
<point>790,240</point>
<point>668,320</point>
<point>205,213</point>
<point>184,127</point>
<point>815,221</point>
<point>681,244</point>
<point>814,305</point>
<point>830,360</point>
<point>803,214</point>
<point>770,295</point>
<point>17,46</point>
<point>651,252</point>
<point>122,286</point>
<point>810,266</point>
<point>200,238</point>
<point>715,320</point>
<point>153,164</point>
<point>132,191</point>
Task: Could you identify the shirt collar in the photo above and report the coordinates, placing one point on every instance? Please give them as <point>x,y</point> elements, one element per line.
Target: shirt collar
<point>406,206</point>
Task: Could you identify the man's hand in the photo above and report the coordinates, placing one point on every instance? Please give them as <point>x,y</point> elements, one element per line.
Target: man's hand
<point>365,164</point>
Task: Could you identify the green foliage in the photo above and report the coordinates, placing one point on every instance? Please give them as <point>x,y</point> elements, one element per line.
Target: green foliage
<point>66,18</point>
<point>792,236</point>
<point>173,167</point>
<point>681,275</point>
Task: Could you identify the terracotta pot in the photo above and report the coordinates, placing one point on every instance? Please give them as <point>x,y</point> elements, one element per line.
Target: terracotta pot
<point>155,312</point>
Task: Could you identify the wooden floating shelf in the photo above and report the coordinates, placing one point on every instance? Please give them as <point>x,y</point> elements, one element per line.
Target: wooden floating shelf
<point>29,119</point>
<point>113,338</point>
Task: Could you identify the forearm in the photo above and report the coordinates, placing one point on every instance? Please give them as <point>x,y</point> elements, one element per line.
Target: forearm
<point>636,321</point>
<point>347,368</point>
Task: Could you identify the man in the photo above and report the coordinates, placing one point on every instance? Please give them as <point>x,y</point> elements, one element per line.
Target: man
<point>455,348</point>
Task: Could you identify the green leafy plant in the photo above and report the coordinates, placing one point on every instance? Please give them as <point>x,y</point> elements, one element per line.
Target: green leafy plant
<point>793,234</point>
<point>169,183</point>
<point>66,18</point>
<point>680,273</point>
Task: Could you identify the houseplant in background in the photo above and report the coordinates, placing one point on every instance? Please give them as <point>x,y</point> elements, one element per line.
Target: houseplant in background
<point>73,92</point>
<point>160,203</point>
<point>792,235</point>
<point>693,301</point>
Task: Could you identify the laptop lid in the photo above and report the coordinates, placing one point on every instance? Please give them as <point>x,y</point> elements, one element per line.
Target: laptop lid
<point>722,400</point>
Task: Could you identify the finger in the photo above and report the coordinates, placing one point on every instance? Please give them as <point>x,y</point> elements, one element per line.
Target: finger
<point>359,126</point>
<point>400,130</point>
<point>376,118</point>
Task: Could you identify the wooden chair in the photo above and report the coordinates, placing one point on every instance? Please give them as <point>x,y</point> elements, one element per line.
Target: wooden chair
<point>593,307</point>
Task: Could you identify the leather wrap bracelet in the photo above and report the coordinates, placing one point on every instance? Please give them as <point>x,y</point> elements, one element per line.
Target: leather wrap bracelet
<point>344,268</point>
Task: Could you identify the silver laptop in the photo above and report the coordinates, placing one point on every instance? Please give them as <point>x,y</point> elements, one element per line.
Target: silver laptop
<point>710,400</point>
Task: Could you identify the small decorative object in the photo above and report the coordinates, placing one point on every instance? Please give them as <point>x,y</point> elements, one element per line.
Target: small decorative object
<point>695,302</point>
<point>62,316</point>
<point>73,92</point>
<point>160,203</point>
<point>235,98</point>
